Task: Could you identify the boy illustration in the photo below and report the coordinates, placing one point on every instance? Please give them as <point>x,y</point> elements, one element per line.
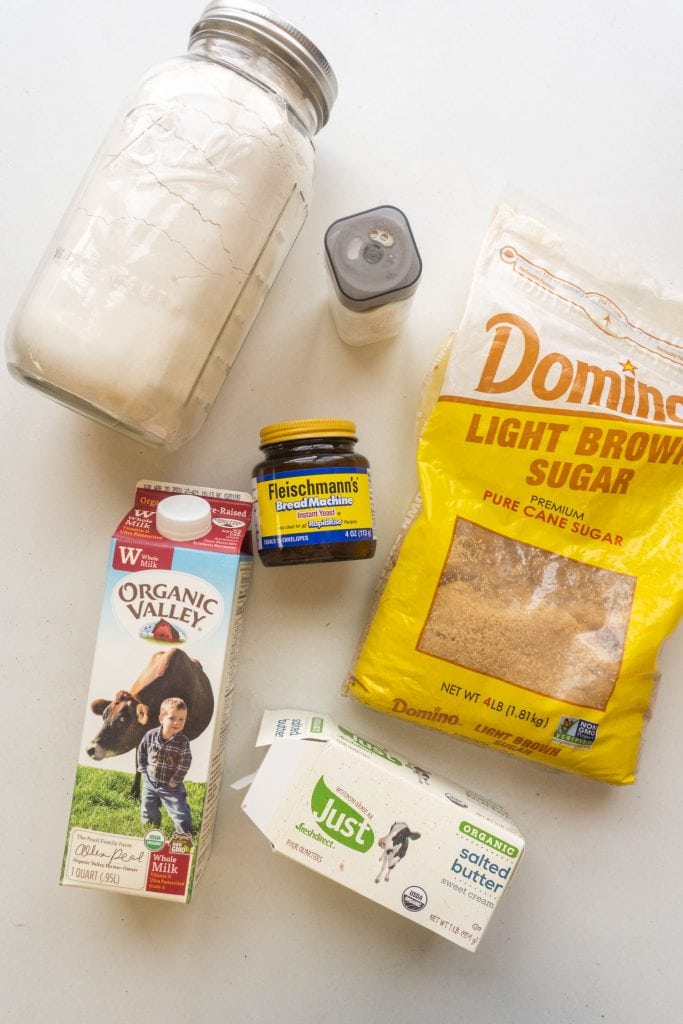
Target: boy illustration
<point>163,760</point>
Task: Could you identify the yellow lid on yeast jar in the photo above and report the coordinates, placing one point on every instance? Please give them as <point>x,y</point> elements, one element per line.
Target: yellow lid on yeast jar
<point>290,430</point>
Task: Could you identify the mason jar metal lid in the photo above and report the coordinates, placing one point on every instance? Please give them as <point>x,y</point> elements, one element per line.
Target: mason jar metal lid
<point>264,29</point>
<point>291,429</point>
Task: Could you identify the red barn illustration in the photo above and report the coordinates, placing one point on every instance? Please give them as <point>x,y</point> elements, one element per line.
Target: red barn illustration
<point>163,630</point>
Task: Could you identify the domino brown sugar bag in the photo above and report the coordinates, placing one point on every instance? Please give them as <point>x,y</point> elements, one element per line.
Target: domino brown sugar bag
<point>540,568</point>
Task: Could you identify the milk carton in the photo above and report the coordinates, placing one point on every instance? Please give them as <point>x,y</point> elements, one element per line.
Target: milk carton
<point>351,810</point>
<point>160,693</point>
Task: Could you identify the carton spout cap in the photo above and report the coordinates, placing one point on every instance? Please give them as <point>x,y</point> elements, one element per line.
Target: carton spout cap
<point>183,517</point>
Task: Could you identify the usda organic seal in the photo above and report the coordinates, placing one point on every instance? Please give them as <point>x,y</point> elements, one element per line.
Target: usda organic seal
<point>414,899</point>
<point>155,840</point>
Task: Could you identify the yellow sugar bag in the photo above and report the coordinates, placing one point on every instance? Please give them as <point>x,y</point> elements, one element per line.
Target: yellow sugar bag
<point>540,569</point>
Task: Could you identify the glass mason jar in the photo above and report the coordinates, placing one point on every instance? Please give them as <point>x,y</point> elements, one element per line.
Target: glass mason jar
<point>148,289</point>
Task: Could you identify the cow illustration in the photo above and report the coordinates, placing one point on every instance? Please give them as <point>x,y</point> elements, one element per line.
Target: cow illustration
<point>394,846</point>
<point>131,713</point>
<point>422,774</point>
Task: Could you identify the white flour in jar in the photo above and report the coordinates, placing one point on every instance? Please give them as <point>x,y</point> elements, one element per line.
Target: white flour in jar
<point>182,223</point>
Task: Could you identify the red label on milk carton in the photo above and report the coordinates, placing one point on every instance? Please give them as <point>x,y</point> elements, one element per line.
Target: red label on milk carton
<point>137,557</point>
<point>168,872</point>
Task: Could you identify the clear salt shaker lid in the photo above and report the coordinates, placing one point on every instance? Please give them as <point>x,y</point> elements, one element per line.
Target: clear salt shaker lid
<point>372,258</point>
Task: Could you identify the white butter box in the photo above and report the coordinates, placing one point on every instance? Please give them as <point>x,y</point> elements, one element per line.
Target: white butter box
<point>351,810</point>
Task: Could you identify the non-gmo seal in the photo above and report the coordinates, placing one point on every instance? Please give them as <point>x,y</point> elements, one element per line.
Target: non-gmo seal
<point>414,899</point>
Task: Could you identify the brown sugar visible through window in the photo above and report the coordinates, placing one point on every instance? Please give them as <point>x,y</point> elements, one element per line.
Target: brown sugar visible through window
<point>538,620</point>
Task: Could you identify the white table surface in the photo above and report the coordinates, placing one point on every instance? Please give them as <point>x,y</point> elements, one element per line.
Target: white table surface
<point>440,105</point>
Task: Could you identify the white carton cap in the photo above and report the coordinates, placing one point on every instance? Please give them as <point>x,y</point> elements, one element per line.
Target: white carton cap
<point>183,517</point>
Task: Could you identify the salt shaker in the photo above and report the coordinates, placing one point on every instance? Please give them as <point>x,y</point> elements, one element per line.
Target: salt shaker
<point>149,287</point>
<point>374,269</point>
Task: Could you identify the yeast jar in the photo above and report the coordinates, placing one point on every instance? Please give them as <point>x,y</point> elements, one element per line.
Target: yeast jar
<point>312,494</point>
<point>150,285</point>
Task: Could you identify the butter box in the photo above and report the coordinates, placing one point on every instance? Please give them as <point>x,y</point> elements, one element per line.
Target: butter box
<point>151,752</point>
<point>429,849</point>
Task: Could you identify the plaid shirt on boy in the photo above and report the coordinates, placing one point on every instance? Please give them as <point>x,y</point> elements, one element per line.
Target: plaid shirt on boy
<point>165,761</point>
